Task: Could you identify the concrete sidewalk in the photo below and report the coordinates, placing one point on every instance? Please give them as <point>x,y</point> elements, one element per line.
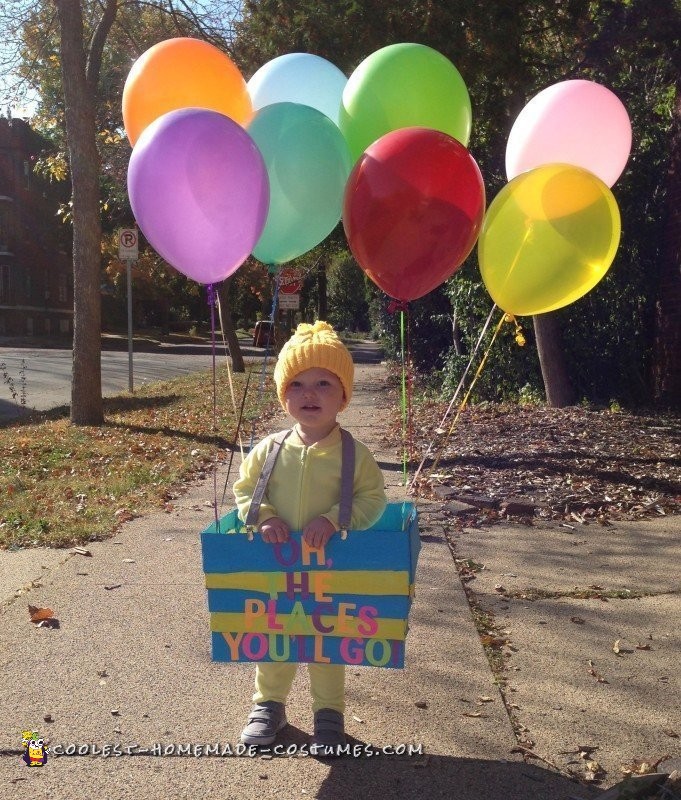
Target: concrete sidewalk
<point>130,664</point>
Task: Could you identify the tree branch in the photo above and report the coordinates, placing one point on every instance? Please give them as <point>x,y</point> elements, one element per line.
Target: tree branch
<point>94,56</point>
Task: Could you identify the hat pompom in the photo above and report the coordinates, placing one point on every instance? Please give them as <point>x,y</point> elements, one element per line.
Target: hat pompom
<point>314,345</point>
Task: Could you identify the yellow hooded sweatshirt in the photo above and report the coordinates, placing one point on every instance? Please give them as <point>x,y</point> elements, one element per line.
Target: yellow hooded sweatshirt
<point>306,482</point>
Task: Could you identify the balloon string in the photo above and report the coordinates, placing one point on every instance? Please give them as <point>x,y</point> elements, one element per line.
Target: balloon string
<point>273,316</point>
<point>211,303</point>
<point>406,401</point>
<point>478,372</point>
<point>429,450</point>
<point>238,415</point>
<point>237,435</point>
<point>226,351</point>
<point>410,389</point>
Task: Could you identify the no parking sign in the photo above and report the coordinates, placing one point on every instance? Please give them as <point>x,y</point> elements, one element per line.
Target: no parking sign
<point>128,244</point>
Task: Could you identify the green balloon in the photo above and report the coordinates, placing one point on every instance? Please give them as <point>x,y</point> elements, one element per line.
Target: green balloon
<point>402,86</point>
<point>308,165</point>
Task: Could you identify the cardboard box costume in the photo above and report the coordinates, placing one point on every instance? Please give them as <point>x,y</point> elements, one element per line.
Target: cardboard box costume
<point>347,603</point>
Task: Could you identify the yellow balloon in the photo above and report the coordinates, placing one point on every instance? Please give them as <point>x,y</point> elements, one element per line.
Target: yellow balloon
<point>548,238</point>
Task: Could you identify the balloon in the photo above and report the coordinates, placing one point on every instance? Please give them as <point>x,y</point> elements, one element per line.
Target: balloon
<point>308,163</point>
<point>181,73</point>
<point>413,208</point>
<point>401,86</point>
<point>548,237</point>
<point>573,122</point>
<point>198,189</point>
<point>299,78</point>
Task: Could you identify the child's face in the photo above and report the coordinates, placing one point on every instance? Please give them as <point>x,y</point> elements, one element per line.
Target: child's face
<point>314,398</point>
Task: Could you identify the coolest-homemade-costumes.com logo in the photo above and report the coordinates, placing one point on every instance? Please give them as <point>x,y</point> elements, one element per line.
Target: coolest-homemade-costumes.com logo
<point>35,752</point>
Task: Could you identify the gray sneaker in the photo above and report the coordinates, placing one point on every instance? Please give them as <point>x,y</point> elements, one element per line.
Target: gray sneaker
<point>329,733</point>
<point>264,723</point>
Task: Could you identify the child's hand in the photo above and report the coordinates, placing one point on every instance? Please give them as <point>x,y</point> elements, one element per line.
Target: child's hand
<point>318,531</point>
<point>274,530</point>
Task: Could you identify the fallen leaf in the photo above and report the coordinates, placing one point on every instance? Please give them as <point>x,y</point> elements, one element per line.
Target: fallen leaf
<point>640,766</point>
<point>577,620</point>
<point>593,672</point>
<point>640,646</point>
<point>472,714</point>
<point>670,732</point>
<point>593,771</point>
<point>492,641</point>
<point>39,614</point>
<point>616,647</point>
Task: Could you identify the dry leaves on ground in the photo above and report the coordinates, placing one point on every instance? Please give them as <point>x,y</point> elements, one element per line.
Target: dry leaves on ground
<point>574,465</point>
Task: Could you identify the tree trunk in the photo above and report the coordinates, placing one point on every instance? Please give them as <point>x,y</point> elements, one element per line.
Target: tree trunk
<point>666,368</point>
<point>557,384</point>
<point>86,386</point>
<point>228,326</point>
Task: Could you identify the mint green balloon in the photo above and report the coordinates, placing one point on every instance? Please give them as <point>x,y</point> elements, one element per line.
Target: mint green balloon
<point>402,86</point>
<point>308,164</point>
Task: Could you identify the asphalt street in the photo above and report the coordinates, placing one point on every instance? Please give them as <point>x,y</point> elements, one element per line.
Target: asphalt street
<point>47,374</point>
<point>43,376</point>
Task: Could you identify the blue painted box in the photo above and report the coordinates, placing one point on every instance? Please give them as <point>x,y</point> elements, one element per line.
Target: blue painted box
<point>345,604</point>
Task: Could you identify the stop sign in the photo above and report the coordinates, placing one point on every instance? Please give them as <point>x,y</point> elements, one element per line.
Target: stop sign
<point>290,280</point>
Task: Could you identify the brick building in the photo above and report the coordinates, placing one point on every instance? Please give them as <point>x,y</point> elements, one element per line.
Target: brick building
<point>36,284</point>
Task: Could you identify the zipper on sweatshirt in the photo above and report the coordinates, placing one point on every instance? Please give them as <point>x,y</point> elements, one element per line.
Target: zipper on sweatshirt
<point>303,466</point>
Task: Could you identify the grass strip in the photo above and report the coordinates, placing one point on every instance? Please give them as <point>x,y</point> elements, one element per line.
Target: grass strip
<point>62,485</point>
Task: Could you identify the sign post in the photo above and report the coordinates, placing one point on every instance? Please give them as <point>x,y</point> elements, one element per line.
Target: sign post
<point>128,252</point>
<point>290,286</point>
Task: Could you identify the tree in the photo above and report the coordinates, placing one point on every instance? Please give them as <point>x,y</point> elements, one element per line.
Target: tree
<point>83,31</point>
<point>80,77</point>
<point>666,367</point>
<point>225,290</point>
<point>507,50</point>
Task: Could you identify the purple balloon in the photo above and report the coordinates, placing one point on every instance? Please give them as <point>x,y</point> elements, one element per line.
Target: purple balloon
<point>199,191</point>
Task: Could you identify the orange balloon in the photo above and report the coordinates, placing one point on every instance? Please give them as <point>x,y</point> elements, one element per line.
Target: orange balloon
<point>182,73</point>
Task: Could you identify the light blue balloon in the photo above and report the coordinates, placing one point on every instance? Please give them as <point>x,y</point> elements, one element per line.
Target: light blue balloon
<point>299,78</point>
<point>308,164</point>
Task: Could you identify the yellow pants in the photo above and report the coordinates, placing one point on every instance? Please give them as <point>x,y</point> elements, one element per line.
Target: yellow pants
<point>327,684</point>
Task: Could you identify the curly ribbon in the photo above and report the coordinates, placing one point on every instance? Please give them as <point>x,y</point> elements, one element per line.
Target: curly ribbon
<point>520,340</point>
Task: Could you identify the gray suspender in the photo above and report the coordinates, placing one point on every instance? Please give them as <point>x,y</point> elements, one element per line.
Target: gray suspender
<point>263,480</point>
<point>347,480</point>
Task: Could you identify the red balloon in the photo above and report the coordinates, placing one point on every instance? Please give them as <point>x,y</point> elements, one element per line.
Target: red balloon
<point>413,209</point>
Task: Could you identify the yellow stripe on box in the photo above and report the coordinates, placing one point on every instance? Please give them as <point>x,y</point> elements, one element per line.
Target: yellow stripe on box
<point>330,582</point>
<point>297,624</point>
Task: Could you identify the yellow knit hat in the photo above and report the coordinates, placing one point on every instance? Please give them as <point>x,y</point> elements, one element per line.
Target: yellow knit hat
<point>314,346</point>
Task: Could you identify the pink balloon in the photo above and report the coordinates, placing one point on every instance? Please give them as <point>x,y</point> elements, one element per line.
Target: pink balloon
<point>574,122</point>
<point>199,191</point>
